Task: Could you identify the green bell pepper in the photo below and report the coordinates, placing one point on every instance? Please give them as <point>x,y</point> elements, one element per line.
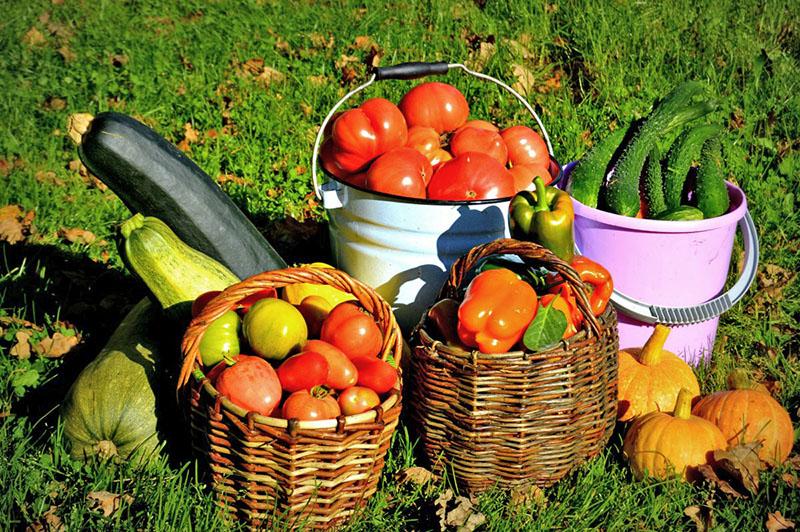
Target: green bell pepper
<point>544,217</point>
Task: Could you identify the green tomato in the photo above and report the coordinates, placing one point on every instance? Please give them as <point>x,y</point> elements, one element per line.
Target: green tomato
<point>274,328</point>
<point>221,339</point>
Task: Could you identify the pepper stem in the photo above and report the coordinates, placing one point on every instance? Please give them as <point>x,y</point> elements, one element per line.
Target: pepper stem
<point>541,195</point>
<point>653,348</point>
<point>683,405</point>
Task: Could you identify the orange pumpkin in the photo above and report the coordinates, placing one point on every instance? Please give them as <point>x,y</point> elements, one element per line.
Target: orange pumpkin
<point>663,445</point>
<point>651,377</point>
<point>747,413</point>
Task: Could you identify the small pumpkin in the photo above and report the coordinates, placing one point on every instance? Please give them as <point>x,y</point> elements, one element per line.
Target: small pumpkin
<point>651,377</point>
<point>663,445</point>
<point>747,413</point>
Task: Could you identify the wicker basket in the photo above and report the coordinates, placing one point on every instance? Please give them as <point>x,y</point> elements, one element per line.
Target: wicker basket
<point>515,418</point>
<point>267,470</point>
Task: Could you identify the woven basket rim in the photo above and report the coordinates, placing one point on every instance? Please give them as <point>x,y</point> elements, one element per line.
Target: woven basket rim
<point>228,298</point>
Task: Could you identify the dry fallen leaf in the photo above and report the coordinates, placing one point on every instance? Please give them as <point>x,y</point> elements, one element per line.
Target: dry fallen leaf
<point>49,522</point>
<point>106,502</point>
<point>22,349</point>
<point>270,75</point>
<point>15,224</point>
<point>772,280</point>
<point>56,346</point>
<point>320,41</point>
<point>776,522</point>
<point>231,178</point>
<point>525,495</point>
<point>701,516</point>
<point>525,79</point>
<point>415,475</point>
<point>77,236</point>
<point>464,516</point>
<point>479,59</point>
<point>49,178</point>
<point>77,124</point>
<point>742,464</point>
<point>710,475</point>
<point>118,60</point>
<point>34,37</point>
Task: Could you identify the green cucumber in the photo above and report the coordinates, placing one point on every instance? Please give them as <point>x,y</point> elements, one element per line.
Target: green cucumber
<point>682,213</point>
<point>680,156</point>
<point>587,176</point>
<point>711,194</point>
<point>673,112</point>
<point>653,185</point>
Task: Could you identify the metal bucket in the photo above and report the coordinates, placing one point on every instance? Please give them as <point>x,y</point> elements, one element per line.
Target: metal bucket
<point>404,247</point>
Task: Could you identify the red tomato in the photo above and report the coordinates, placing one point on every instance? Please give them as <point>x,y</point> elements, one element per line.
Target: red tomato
<point>327,158</point>
<point>468,139</point>
<point>202,300</point>
<point>424,139</point>
<point>434,104</point>
<point>314,309</point>
<point>244,305</point>
<point>358,399</point>
<point>471,176</point>
<point>311,405</point>
<point>376,374</point>
<point>525,173</point>
<point>251,383</point>
<point>303,371</point>
<point>342,373</point>
<point>401,172</point>
<point>219,368</point>
<point>480,124</point>
<point>360,135</point>
<point>352,331</point>
<point>525,146</point>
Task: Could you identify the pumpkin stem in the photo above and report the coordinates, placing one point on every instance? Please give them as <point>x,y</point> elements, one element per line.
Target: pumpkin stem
<point>132,224</point>
<point>651,352</point>
<point>683,405</point>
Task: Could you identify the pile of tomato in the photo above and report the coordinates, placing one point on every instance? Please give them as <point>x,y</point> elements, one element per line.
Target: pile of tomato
<point>313,354</point>
<point>426,147</point>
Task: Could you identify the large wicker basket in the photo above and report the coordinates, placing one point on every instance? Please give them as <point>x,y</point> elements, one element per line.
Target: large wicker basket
<point>276,472</point>
<point>515,418</point>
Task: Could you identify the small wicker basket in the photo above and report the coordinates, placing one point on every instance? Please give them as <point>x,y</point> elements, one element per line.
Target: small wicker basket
<point>517,418</point>
<point>266,470</point>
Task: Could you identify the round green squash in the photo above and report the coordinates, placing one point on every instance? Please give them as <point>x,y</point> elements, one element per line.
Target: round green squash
<point>110,410</point>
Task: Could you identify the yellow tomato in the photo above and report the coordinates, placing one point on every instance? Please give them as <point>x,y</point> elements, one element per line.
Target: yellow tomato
<point>274,328</point>
<point>296,293</point>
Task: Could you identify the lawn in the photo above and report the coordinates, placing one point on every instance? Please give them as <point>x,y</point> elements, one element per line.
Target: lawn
<point>242,89</point>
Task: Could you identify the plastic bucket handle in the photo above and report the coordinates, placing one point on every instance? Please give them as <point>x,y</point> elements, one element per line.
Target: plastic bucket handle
<point>402,71</point>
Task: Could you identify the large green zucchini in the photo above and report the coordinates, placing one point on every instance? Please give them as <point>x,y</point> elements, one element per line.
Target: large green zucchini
<point>153,177</point>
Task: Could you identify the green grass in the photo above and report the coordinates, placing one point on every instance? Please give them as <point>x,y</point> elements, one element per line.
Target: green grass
<point>170,65</point>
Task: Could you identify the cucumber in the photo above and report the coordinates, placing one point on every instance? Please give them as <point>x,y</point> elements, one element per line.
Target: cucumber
<point>680,156</point>
<point>682,213</point>
<point>711,194</point>
<point>673,112</point>
<point>587,176</point>
<point>153,177</point>
<point>653,185</point>
<point>174,272</point>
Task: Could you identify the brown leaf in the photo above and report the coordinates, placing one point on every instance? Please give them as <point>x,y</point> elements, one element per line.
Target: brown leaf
<point>49,522</point>
<point>364,42</point>
<point>5,167</point>
<point>15,224</point>
<point>75,165</point>
<point>701,516</point>
<point>106,502</point>
<point>49,178</point>
<point>270,75</point>
<point>464,516</point>
<point>772,280</point>
<point>345,60</point>
<point>710,475</point>
<point>525,495</point>
<point>231,178</point>
<point>67,54</point>
<point>525,79</point>
<point>22,349</point>
<point>253,66</point>
<point>13,320</point>
<point>418,476</point>
<point>791,479</point>
<point>118,60</point>
<point>54,103</point>
<point>77,125</point>
<point>56,346</point>
<point>776,522</point>
<point>319,80</point>
<point>480,57</point>
<point>741,463</point>
<point>77,236</point>
<point>34,37</point>
<point>736,120</point>
<point>320,41</point>
<point>306,108</point>
<point>552,83</point>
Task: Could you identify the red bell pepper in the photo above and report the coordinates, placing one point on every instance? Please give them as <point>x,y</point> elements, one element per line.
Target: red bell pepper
<point>597,276</point>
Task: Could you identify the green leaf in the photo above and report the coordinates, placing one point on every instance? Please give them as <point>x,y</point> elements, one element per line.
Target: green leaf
<point>25,379</point>
<point>546,329</point>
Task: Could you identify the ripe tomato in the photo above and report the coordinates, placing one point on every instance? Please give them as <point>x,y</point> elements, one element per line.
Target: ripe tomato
<point>525,146</point>
<point>401,172</point>
<point>222,366</point>
<point>202,300</point>
<point>342,373</point>
<point>480,124</point>
<point>361,134</point>
<point>424,139</point>
<point>251,383</point>
<point>311,405</point>
<point>358,399</point>
<point>468,139</point>
<point>314,310</point>
<point>352,331</point>
<point>303,371</point>
<point>434,104</point>
<point>471,176</point>
<point>525,173</point>
<point>244,305</point>
<point>220,339</point>
<point>438,158</point>
<point>376,374</point>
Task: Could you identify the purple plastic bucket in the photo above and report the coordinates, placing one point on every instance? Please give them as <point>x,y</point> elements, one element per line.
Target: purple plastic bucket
<point>670,272</point>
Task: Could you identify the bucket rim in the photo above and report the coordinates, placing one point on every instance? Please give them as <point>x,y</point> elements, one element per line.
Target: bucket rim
<point>420,201</point>
<point>736,212</point>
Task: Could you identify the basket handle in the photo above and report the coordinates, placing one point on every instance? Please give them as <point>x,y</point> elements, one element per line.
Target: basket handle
<point>524,250</point>
<point>409,71</point>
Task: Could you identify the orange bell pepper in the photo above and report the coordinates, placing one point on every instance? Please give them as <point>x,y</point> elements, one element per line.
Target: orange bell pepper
<point>597,276</point>
<point>497,309</point>
<point>574,316</point>
<point>559,303</point>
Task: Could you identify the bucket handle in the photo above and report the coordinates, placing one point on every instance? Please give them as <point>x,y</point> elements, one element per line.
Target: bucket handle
<point>409,71</point>
<point>704,311</point>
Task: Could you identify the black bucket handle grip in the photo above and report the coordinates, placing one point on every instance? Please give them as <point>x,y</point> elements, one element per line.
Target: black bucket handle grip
<point>411,70</point>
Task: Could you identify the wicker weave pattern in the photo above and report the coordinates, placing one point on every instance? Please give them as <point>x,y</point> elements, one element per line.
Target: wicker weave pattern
<point>515,418</point>
<point>312,474</point>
